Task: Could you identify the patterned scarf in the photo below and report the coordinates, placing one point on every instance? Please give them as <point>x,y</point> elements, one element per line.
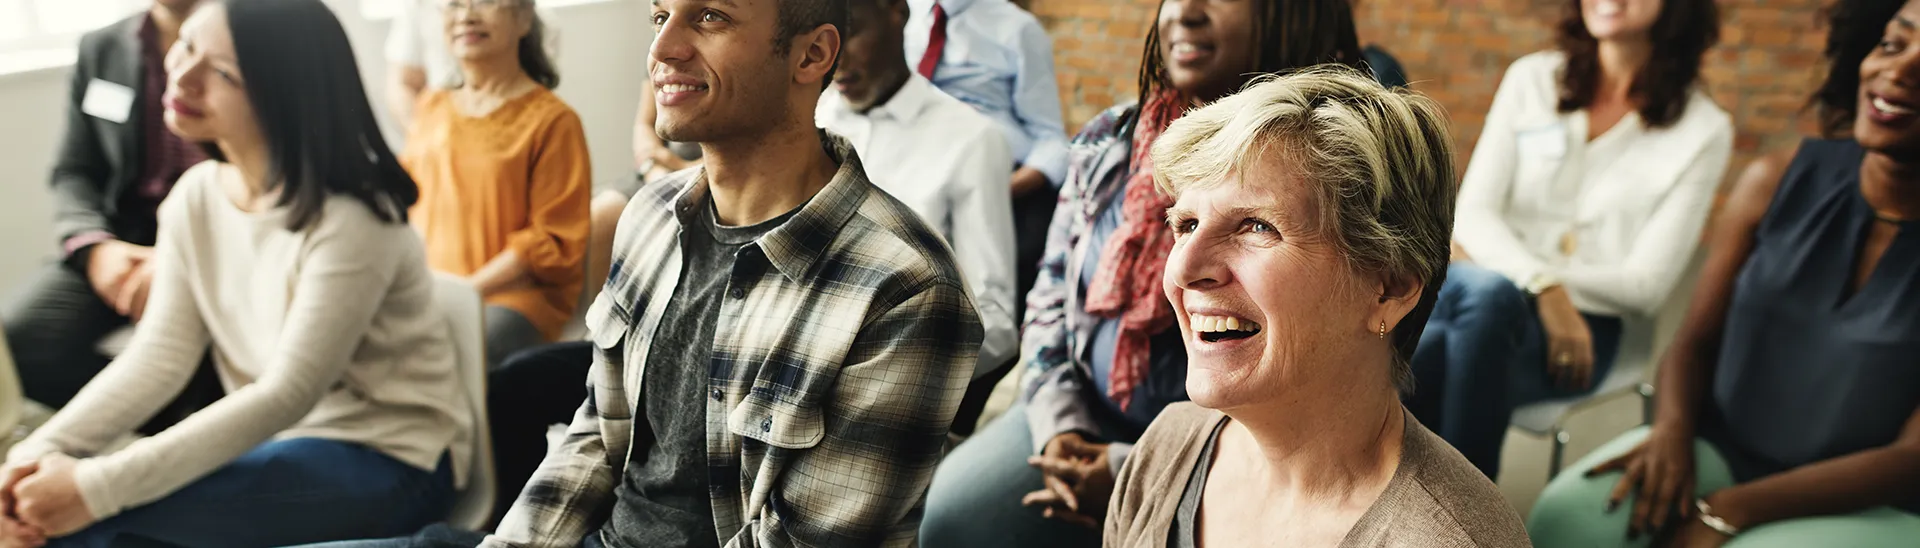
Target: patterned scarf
<point>1127,285</point>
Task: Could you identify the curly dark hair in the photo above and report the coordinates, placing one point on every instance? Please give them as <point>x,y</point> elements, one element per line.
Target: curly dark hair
<point>1681,36</point>
<point>1289,35</point>
<point>1854,28</point>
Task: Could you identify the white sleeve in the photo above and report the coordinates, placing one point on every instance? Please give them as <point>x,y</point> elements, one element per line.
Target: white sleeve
<point>335,297</point>
<point>983,241</point>
<point>404,45</point>
<point>156,366</point>
<point>1480,223</point>
<point>1665,246</point>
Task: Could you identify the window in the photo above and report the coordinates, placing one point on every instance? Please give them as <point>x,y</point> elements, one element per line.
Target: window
<point>27,25</point>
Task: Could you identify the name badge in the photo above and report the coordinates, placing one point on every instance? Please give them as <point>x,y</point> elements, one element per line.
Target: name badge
<point>1548,141</point>
<point>108,101</point>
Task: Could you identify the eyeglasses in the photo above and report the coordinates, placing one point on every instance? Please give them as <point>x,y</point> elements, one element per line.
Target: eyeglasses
<point>476,5</point>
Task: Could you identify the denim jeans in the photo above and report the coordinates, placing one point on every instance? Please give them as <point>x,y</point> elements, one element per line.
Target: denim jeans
<point>285,492</point>
<point>1483,354</point>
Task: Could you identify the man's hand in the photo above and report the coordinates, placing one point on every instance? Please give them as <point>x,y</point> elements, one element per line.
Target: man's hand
<point>109,264</point>
<point>132,300</point>
<point>1079,480</point>
<point>50,499</point>
<point>1028,180</point>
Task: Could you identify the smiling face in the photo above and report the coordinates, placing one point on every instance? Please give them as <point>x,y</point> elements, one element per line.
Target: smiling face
<point>1266,303</point>
<point>206,98</point>
<point>1619,19</point>
<point>1207,45</point>
<point>486,29</point>
<point>1889,112</point>
<point>716,69</point>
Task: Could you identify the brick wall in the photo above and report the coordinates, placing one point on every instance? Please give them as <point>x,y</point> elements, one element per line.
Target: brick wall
<point>1456,50</point>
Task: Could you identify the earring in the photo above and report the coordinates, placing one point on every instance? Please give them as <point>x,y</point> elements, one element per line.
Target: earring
<point>1383,330</point>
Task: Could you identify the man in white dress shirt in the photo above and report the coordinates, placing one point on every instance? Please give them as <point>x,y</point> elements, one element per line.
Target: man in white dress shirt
<point>936,154</point>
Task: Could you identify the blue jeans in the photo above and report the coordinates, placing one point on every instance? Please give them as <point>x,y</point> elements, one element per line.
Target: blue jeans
<point>285,492</point>
<point>1484,353</point>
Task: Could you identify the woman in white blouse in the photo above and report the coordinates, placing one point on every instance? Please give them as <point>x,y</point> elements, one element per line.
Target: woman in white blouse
<point>1580,209</point>
<point>288,258</point>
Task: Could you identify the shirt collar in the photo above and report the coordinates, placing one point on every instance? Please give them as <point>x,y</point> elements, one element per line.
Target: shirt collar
<point>794,246</point>
<point>953,7</point>
<point>906,106</point>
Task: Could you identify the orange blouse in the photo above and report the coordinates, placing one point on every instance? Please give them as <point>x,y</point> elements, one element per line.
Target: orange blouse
<point>519,179</point>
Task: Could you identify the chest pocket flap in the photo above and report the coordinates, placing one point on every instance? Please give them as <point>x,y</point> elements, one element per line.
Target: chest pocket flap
<point>777,422</point>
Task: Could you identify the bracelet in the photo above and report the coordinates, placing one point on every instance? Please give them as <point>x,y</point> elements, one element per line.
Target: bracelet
<point>1712,521</point>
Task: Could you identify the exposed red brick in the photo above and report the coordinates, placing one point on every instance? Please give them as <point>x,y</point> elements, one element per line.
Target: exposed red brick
<point>1456,51</point>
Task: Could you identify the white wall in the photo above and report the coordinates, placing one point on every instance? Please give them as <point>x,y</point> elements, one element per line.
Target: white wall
<point>602,65</point>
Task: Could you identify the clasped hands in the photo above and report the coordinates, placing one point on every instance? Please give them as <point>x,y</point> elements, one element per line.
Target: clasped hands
<point>39,499</point>
<point>1079,480</point>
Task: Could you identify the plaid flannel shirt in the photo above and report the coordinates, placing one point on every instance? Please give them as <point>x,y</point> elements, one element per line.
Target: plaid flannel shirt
<point>844,343</point>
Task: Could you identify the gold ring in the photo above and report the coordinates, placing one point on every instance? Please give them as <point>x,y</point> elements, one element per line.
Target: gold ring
<point>1563,360</point>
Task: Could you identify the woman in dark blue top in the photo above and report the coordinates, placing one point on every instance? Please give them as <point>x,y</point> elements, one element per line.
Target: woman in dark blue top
<point>1790,403</point>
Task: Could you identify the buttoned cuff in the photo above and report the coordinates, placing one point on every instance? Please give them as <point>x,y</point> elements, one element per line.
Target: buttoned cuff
<point>1049,156</point>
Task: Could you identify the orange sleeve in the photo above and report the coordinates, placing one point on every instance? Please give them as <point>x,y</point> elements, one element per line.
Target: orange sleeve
<point>554,242</point>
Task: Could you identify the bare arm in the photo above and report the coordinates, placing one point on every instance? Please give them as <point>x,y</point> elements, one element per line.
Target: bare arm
<point>404,86</point>
<point>1687,368</point>
<point>1848,483</point>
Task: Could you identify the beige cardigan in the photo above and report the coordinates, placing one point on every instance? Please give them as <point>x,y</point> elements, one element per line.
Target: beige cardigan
<point>1435,499</point>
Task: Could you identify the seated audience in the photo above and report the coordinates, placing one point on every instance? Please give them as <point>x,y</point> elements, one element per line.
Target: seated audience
<point>995,57</point>
<point>116,163</point>
<point>1102,356</point>
<point>504,176</point>
<point>1789,405</point>
<point>781,344</point>
<point>936,155</point>
<point>1581,209</point>
<point>290,257</point>
<point>1310,219</point>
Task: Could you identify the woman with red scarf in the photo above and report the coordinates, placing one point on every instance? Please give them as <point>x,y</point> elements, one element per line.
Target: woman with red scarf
<point>1101,356</point>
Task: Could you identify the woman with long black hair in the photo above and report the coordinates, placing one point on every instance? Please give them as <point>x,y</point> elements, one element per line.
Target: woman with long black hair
<point>289,256</point>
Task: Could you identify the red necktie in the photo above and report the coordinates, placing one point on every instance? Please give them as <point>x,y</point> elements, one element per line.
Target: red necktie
<point>936,43</point>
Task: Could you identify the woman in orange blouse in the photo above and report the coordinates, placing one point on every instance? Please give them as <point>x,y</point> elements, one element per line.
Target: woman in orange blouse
<point>504,175</point>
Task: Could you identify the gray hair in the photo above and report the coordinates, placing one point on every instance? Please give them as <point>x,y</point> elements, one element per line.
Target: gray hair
<point>1379,164</point>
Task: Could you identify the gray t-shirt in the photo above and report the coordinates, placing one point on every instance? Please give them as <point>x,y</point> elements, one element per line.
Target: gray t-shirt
<point>663,500</point>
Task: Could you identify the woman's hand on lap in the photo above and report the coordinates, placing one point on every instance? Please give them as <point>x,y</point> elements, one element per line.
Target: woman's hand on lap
<point>50,498</point>
<point>1660,473</point>
<point>1569,340</point>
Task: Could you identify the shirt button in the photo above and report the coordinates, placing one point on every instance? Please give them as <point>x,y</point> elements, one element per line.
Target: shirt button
<point>737,292</point>
<point>717,396</point>
<point>766,424</point>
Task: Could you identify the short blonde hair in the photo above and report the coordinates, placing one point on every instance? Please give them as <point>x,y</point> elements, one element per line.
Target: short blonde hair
<point>1379,164</point>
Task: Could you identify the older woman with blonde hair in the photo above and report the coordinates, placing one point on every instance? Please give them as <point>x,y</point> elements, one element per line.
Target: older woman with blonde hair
<point>1311,218</point>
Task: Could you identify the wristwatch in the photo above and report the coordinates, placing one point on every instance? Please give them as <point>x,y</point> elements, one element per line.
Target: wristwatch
<point>1540,283</point>
<point>1712,521</point>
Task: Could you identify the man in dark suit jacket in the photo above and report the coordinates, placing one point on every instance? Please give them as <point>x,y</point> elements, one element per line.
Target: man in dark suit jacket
<point>117,162</point>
